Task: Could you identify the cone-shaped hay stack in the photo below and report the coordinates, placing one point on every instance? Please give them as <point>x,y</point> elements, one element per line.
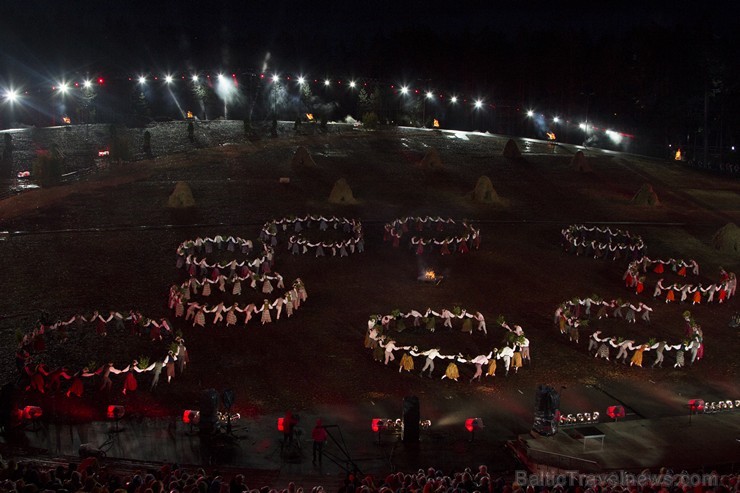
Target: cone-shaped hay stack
<point>431,160</point>
<point>646,196</point>
<point>341,193</point>
<point>511,150</point>
<point>580,163</point>
<point>484,193</point>
<point>727,239</point>
<point>182,197</point>
<point>302,159</point>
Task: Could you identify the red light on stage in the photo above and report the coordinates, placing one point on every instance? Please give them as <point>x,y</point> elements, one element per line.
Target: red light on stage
<point>473,424</point>
<point>100,81</point>
<point>32,413</point>
<point>379,424</point>
<point>115,412</point>
<point>281,425</point>
<point>191,417</point>
<point>696,405</point>
<point>615,412</point>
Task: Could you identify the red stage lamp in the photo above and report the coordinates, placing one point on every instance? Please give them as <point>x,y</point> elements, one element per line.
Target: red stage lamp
<point>115,412</point>
<point>191,417</point>
<point>615,412</point>
<point>32,413</point>
<point>379,424</point>
<point>696,405</point>
<point>281,425</point>
<point>474,424</point>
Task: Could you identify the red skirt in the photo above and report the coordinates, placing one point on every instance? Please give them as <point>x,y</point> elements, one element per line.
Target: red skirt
<point>130,384</point>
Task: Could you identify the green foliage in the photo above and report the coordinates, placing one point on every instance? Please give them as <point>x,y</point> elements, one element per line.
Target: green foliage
<point>500,320</point>
<point>457,311</point>
<point>173,348</point>
<point>396,313</point>
<point>143,361</point>
<point>47,168</point>
<point>370,120</point>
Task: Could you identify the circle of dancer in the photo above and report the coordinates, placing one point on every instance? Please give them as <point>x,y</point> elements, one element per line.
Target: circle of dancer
<point>191,255</point>
<point>423,235</point>
<point>180,299</point>
<point>578,314</point>
<point>380,340</point>
<point>168,351</point>
<point>636,275</point>
<point>298,243</point>
<point>602,242</point>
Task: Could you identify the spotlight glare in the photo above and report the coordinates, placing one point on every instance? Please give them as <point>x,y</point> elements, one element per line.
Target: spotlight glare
<point>168,79</point>
<point>430,95</point>
<point>220,77</point>
<point>63,87</point>
<point>352,84</point>
<point>275,78</point>
<point>327,82</point>
<point>478,104</point>
<point>142,80</point>
<point>301,80</point>
<point>556,119</point>
<point>453,99</point>
<point>194,78</point>
<point>87,84</point>
<point>404,90</point>
<point>530,113</point>
<point>582,126</point>
<point>11,95</point>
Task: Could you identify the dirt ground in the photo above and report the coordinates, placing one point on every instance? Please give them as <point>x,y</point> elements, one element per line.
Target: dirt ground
<point>109,243</point>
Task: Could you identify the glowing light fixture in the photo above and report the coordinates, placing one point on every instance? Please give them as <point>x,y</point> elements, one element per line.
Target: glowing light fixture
<point>453,99</point>
<point>429,95</point>
<point>194,78</point>
<point>63,87</point>
<point>142,80</point>
<point>168,79</point>
<point>352,84</point>
<point>327,82</point>
<point>530,113</point>
<point>87,84</point>
<point>275,78</point>
<point>582,126</point>
<point>478,104</point>
<point>301,80</point>
<point>556,119</point>
<point>404,90</point>
<point>11,95</point>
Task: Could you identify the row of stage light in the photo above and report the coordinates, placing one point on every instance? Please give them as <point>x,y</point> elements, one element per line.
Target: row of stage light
<point>63,87</point>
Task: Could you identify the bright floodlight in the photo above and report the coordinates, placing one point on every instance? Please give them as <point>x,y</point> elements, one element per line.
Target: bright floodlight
<point>168,79</point>
<point>220,77</point>
<point>453,99</point>
<point>352,84</point>
<point>556,119</point>
<point>404,90</point>
<point>327,82</point>
<point>301,80</point>
<point>616,137</point>
<point>582,126</point>
<point>530,113</point>
<point>430,95</point>
<point>478,104</point>
<point>275,78</point>
<point>142,80</point>
<point>11,95</point>
<point>63,87</point>
<point>194,78</point>
<point>87,84</point>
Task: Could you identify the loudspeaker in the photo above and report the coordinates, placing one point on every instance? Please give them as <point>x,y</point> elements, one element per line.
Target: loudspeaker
<point>411,418</point>
<point>208,410</point>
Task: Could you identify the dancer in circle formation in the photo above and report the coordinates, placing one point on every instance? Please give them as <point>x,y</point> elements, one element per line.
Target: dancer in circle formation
<point>297,244</point>
<point>463,243</point>
<point>513,355</point>
<point>38,377</point>
<point>602,243</point>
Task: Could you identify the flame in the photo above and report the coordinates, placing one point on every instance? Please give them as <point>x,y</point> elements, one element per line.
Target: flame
<point>190,115</point>
<point>677,157</point>
<point>436,123</point>
<point>550,136</point>
<point>309,116</point>
<point>67,120</point>
<point>430,274</point>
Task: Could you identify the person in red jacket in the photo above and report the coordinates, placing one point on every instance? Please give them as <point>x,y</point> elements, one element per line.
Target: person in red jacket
<point>319,436</point>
